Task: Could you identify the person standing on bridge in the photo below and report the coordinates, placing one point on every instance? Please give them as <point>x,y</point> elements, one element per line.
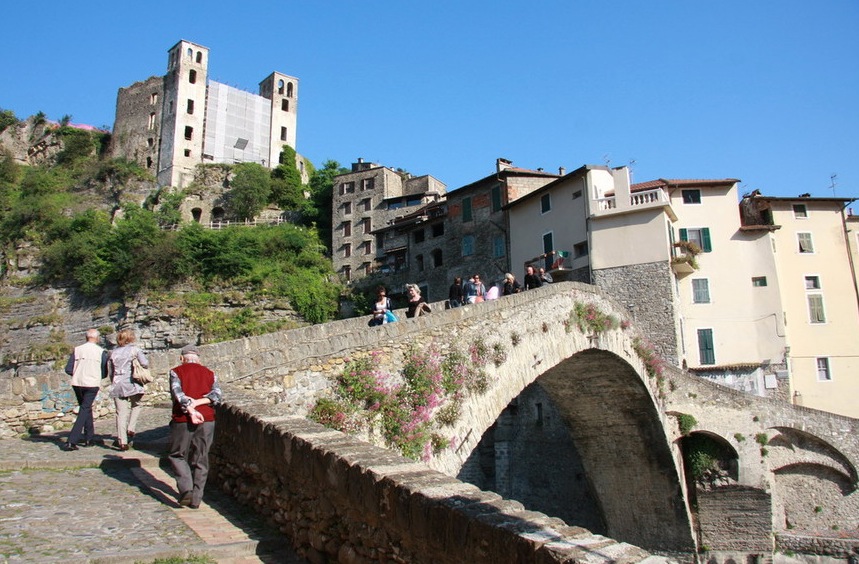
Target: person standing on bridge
<point>195,391</point>
<point>531,279</point>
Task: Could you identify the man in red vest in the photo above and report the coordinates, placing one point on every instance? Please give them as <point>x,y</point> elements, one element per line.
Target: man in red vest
<point>195,391</point>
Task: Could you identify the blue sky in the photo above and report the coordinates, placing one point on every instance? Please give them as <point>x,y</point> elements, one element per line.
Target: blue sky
<point>765,91</point>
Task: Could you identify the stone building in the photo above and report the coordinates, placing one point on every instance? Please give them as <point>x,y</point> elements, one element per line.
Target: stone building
<point>459,233</point>
<point>169,124</point>
<point>365,199</point>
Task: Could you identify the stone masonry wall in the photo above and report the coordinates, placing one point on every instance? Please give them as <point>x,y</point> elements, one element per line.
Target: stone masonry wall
<point>339,499</point>
<point>647,291</point>
<point>735,518</point>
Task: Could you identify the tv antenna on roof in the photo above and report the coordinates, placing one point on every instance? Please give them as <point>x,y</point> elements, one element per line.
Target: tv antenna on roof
<point>607,159</point>
<point>631,169</point>
<point>832,178</point>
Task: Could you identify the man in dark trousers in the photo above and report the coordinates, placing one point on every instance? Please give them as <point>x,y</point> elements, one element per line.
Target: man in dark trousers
<point>195,392</point>
<point>87,366</point>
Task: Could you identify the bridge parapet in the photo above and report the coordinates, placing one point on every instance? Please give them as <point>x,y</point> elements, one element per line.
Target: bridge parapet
<point>343,499</point>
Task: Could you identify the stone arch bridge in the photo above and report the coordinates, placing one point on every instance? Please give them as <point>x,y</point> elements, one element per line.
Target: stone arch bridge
<point>788,479</point>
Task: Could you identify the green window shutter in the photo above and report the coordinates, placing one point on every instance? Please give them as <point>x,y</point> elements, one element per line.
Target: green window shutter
<point>684,235</point>
<point>705,240</point>
<point>706,350</point>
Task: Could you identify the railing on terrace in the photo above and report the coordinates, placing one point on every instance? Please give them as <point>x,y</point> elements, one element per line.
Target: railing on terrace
<point>638,199</point>
<point>225,224</point>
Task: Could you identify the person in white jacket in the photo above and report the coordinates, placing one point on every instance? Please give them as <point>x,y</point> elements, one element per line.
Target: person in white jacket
<point>87,366</point>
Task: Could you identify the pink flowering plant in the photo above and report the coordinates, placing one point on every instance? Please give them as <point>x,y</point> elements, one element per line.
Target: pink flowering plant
<point>589,318</point>
<point>653,363</point>
<point>407,411</point>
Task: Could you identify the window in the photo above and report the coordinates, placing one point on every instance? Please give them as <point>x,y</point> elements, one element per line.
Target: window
<point>367,204</point>
<point>823,372</point>
<point>199,56</point>
<point>467,245</point>
<point>347,273</point>
<point>189,132</point>
<point>545,203</point>
<point>347,250</point>
<point>800,211</point>
<point>419,236</point>
<point>153,98</point>
<point>498,247</point>
<point>466,210</point>
<point>805,243</point>
<point>189,107</point>
<point>815,308</point>
<point>280,86</point>
<point>691,196</point>
<point>436,258</point>
<point>419,261</point>
<point>347,228</point>
<point>368,225</point>
<point>495,196</point>
<point>150,142</point>
<point>368,247</point>
<point>759,281</point>
<point>190,52</point>
<point>438,230</point>
<point>706,353</point>
<point>347,208</point>
<point>289,90</point>
<point>187,152</point>
<point>284,105</point>
<point>700,236</point>
<point>580,249</point>
<point>812,282</point>
<point>192,76</point>
<point>283,134</point>
<point>577,194</point>
<point>152,121</point>
<point>700,291</point>
<point>350,187</point>
<point>148,162</point>
<point>368,184</point>
<point>548,247</point>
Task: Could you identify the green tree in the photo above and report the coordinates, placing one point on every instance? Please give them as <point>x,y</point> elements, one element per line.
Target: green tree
<point>7,118</point>
<point>249,190</point>
<point>287,191</point>
<point>322,192</point>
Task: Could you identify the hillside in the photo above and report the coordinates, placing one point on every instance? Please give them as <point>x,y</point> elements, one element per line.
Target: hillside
<point>87,240</point>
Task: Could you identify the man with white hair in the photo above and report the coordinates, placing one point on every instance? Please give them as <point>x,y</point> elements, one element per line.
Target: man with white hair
<point>195,391</point>
<point>87,365</point>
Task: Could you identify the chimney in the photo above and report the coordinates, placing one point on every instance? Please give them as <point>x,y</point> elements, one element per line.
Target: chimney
<point>561,171</point>
<point>502,164</point>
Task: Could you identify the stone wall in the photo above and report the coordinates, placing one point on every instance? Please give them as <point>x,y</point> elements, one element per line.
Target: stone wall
<point>647,291</point>
<point>735,518</point>
<point>340,499</point>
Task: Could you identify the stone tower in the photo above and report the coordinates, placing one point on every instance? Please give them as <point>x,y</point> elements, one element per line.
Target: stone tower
<point>282,91</point>
<point>183,113</point>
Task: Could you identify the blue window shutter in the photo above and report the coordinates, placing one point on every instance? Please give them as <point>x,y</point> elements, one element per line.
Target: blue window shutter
<point>705,239</point>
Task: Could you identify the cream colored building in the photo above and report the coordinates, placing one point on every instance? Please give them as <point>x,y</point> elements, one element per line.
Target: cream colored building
<point>811,249</point>
<point>720,292</point>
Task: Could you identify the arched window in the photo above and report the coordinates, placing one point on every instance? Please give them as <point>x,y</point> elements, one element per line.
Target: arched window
<point>217,214</point>
<point>190,53</point>
<point>192,76</point>
<point>280,86</point>
<point>289,90</point>
<point>196,213</point>
<point>199,56</point>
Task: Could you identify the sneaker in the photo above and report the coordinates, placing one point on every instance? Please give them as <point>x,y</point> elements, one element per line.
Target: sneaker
<point>70,447</point>
<point>185,499</point>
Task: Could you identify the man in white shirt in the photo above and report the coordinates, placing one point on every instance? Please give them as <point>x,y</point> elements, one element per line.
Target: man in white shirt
<point>87,366</point>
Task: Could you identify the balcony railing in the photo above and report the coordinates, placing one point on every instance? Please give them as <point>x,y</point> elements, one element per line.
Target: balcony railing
<point>637,200</point>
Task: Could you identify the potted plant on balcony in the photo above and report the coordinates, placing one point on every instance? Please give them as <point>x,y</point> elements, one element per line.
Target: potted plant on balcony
<point>690,251</point>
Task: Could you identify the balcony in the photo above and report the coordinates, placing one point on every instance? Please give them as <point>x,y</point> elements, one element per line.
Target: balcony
<point>557,263</point>
<point>655,197</point>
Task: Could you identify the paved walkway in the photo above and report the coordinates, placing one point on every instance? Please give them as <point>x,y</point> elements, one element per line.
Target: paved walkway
<point>98,504</point>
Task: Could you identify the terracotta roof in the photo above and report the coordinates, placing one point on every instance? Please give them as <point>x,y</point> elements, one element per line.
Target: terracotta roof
<point>682,182</point>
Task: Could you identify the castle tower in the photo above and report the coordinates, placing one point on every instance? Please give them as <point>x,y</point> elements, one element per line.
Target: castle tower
<point>282,91</point>
<point>183,113</point>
